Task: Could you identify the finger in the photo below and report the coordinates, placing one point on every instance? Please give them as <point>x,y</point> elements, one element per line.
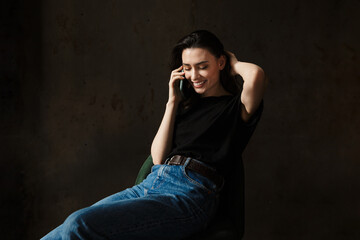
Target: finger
<point>178,69</point>
<point>231,54</point>
<point>176,78</point>
<point>178,73</point>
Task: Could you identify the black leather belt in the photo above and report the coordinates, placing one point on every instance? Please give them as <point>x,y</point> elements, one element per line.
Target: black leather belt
<point>194,165</point>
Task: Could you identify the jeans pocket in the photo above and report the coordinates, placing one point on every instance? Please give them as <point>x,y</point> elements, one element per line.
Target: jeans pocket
<point>199,180</point>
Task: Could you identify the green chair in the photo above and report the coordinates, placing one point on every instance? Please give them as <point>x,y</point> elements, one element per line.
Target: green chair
<point>228,224</point>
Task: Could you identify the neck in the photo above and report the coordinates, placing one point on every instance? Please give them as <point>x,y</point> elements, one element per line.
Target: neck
<point>220,92</point>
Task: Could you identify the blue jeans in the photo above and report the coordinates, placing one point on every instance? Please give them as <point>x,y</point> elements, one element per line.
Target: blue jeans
<point>171,203</point>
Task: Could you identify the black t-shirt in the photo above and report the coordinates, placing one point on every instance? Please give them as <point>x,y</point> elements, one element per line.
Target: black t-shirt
<point>213,131</point>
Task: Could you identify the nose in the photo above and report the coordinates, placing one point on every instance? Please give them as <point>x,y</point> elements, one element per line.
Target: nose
<point>194,74</point>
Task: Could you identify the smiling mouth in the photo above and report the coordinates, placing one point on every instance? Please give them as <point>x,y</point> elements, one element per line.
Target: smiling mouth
<point>199,84</point>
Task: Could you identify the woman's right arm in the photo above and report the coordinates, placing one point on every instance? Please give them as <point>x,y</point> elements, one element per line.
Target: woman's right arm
<point>162,142</point>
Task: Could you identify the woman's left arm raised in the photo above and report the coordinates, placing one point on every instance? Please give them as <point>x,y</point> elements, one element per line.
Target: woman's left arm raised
<point>255,83</point>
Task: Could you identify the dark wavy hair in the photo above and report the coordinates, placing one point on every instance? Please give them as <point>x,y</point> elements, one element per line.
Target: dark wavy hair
<point>206,40</point>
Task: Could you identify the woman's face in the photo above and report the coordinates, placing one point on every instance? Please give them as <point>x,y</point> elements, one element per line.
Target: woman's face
<point>202,69</point>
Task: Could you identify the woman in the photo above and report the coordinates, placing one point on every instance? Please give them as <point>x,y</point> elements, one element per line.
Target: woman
<point>199,139</point>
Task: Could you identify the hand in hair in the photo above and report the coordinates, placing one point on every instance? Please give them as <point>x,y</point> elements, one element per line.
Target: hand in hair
<point>233,60</point>
<point>244,69</point>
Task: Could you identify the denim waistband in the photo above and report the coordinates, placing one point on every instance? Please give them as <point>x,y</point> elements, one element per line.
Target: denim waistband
<point>199,167</point>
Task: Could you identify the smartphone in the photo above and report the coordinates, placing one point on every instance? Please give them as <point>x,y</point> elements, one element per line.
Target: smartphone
<point>185,88</point>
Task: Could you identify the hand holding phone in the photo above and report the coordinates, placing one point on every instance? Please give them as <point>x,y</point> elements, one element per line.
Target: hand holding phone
<point>185,88</point>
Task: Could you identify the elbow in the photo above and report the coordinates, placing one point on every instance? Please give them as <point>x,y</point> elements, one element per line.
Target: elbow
<point>259,74</point>
<point>263,77</point>
<point>156,155</point>
<point>255,74</point>
<point>259,79</point>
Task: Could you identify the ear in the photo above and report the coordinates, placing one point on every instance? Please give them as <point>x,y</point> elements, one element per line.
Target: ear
<point>222,62</point>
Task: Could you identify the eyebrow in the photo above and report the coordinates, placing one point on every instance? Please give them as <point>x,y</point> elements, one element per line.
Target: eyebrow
<point>196,63</point>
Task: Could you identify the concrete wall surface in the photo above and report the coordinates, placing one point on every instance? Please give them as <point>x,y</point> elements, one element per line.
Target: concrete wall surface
<point>84,85</point>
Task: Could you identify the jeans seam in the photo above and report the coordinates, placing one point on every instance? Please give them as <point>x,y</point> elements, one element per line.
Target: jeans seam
<point>161,173</point>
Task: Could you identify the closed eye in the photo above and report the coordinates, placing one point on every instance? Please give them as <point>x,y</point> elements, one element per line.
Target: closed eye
<point>202,68</point>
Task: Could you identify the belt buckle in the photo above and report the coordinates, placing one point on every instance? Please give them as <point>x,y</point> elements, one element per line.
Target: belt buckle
<point>181,158</point>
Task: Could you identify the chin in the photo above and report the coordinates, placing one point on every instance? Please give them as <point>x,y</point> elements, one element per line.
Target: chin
<point>199,91</point>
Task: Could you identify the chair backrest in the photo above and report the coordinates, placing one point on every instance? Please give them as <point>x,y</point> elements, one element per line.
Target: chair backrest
<point>144,170</point>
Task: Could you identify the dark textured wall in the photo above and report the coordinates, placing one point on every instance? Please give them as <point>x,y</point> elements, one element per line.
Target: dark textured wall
<point>84,86</point>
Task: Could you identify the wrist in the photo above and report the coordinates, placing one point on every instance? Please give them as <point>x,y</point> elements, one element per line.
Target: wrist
<point>172,103</point>
<point>237,68</point>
